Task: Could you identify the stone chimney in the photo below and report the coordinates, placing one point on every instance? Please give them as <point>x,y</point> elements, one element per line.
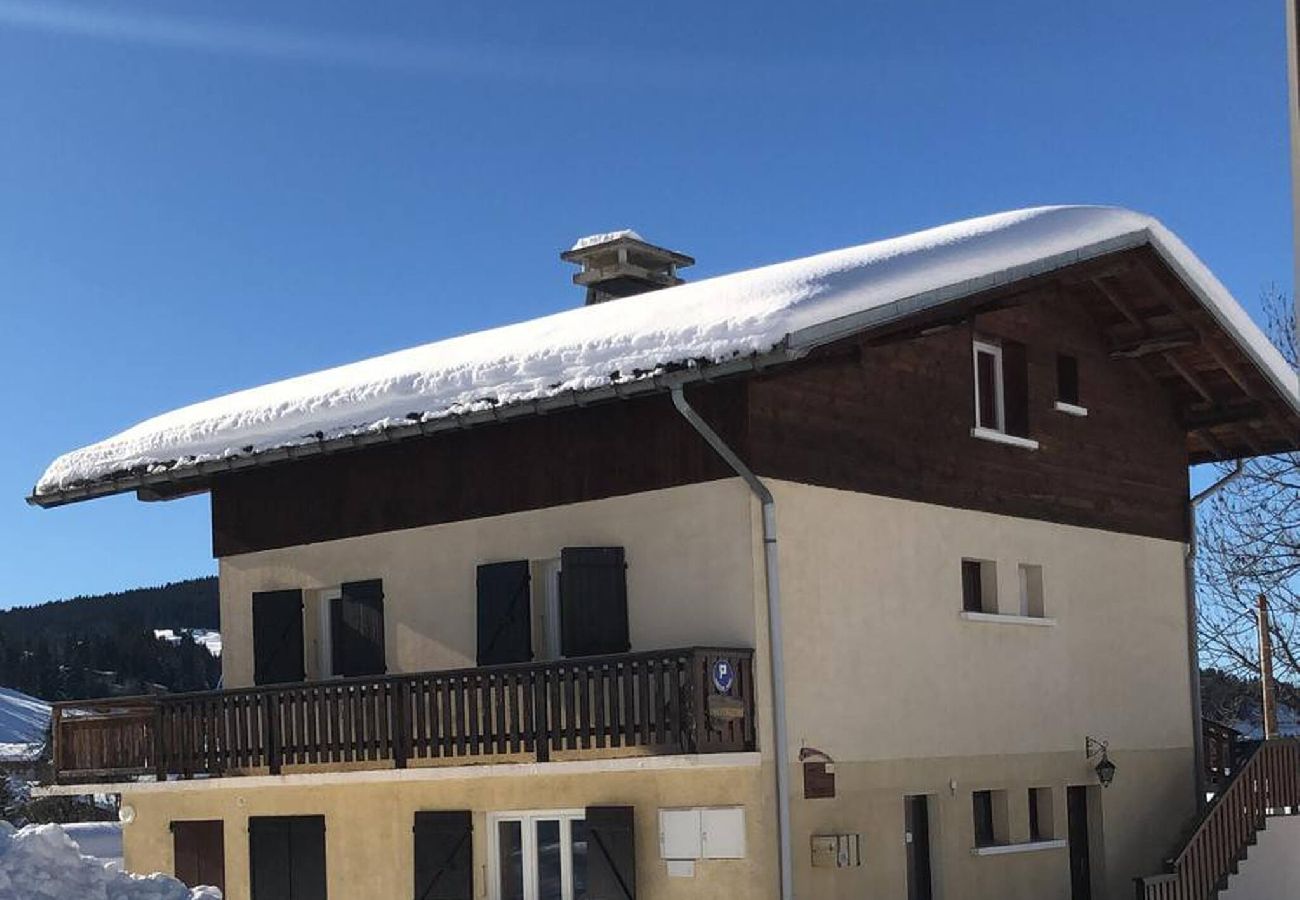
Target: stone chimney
<point>622,263</point>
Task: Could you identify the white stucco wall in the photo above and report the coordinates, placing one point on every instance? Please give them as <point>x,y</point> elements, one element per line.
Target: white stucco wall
<point>1272,868</point>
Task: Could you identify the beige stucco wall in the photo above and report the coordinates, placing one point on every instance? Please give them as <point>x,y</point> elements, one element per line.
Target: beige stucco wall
<point>885,676</point>
<point>369,848</point>
<point>690,574</point>
<point>883,673</point>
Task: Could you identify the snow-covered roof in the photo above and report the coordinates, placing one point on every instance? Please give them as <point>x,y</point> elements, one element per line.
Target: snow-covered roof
<point>593,240</point>
<point>764,315</point>
<point>23,721</point>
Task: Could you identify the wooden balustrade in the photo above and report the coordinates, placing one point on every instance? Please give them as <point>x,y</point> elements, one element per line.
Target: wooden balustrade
<point>658,702</point>
<point>1266,782</point>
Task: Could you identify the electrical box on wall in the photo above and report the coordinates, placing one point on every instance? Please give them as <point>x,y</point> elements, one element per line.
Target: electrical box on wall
<point>702,833</point>
<point>836,851</point>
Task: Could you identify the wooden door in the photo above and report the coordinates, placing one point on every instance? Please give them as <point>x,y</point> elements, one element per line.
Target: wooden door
<point>916,825</point>
<point>287,857</point>
<point>1080,855</point>
<point>277,637</point>
<point>199,853</point>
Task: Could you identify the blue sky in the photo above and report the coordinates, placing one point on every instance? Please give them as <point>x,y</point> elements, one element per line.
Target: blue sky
<point>199,197</point>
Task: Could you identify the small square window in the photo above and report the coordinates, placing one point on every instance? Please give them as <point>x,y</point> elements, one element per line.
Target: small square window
<point>979,586</point>
<point>1041,827</point>
<point>990,817</point>
<point>1031,591</point>
<point>1067,379</point>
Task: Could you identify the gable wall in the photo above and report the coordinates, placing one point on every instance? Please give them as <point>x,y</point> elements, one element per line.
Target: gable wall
<point>895,420</point>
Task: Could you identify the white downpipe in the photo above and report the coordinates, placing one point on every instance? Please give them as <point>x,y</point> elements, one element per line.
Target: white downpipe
<point>777,665</point>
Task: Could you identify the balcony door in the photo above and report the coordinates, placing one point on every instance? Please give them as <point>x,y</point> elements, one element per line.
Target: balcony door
<point>277,637</point>
<point>539,855</point>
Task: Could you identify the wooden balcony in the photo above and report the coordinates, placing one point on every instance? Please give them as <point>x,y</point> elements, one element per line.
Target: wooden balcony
<point>656,702</point>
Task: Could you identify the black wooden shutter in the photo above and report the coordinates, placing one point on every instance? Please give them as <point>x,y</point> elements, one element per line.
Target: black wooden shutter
<point>268,858</point>
<point>611,853</point>
<point>277,637</point>
<point>287,857</point>
<point>1015,388</point>
<point>444,855</point>
<point>307,843</point>
<point>505,625</point>
<point>357,629</point>
<point>200,853</point>
<point>593,601</point>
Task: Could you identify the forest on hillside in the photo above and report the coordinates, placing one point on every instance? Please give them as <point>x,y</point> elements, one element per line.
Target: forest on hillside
<point>104,645</point>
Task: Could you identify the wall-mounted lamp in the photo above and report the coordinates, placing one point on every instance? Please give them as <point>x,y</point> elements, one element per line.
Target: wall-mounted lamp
<point>1105,768</point>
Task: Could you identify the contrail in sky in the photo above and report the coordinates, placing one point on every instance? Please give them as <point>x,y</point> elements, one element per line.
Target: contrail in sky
<point>375,52</point>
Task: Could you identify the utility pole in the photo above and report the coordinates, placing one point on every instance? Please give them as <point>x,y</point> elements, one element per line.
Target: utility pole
<point>1269,706</point>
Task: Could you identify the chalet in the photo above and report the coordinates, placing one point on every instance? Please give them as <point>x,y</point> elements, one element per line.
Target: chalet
<point>861,575</point>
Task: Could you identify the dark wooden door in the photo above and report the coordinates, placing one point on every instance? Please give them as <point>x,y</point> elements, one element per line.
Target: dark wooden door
<point>277,637</point>
<point>916,825</point>
<point>444,855</point>
<point>200,853</point>
<point>287,857</point>
<point>1080,856</point>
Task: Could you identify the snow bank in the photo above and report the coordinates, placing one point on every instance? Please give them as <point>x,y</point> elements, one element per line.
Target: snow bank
<point>629,339</point>
<point>40,862</point>
<point>99,840</point>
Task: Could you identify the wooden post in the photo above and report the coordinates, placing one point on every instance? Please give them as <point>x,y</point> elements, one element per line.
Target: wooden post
<point>401,725</point>
<point>271,716</point>
<point>56,739</point>
<point>1268,705</point>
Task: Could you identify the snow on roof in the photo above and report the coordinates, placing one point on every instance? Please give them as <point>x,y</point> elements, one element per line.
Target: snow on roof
<point>592,240</point>
<point>23,721</point>
<point>782,309</point>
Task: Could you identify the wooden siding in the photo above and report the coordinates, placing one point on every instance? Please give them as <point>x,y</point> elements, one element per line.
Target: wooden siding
<point>894,419</point>
<point>885,414</point>
<point>585,454</point>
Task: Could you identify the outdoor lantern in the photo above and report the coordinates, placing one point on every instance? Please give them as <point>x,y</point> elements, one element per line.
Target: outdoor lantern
<point>1105,768</point>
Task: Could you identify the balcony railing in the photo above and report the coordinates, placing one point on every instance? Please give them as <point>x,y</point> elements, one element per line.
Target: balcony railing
<point>663,701</point>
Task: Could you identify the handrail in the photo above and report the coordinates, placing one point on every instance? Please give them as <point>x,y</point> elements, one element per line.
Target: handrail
<point>1267,781</point>
<point>655,701</point>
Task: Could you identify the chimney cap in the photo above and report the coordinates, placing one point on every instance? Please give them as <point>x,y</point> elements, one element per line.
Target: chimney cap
<point>585,247</point>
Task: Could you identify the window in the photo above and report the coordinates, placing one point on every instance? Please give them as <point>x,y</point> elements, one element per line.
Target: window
<point>990,817</point>
<point>990,413</point>
<point>979,586</point>
<point>1067,379</point>
<point>1041,827</point>
<point>540,856</point>
<point>1031,591</point>
<point>1002,393</point>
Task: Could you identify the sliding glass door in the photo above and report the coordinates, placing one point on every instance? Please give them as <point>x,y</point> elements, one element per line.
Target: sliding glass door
<point>539,855</point>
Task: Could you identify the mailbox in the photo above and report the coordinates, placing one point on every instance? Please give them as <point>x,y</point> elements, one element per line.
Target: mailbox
<point>836,851</point>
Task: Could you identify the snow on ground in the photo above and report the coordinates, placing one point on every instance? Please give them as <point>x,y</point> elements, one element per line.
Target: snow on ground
<point>40,862</point>
<point>787,306</point>
<point>204,636</point>
<point>101,840</point>
<point>23,721</point>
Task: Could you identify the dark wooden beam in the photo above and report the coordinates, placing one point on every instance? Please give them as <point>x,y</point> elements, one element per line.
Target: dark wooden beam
<point>1188,376</point>
<point>1195,419</point>
<point>1154,343</point>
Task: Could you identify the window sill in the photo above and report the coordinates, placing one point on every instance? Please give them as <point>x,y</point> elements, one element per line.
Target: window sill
<point>1030,847</point>
<point>1070,409</point>
<point>1001,619</point>
<point>1000,437</point>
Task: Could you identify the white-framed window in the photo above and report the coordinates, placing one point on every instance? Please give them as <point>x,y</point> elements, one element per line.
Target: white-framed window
<point>325,629</point>
<point>546,608</point>
<point>990,402</point>
<point>537,855</point>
